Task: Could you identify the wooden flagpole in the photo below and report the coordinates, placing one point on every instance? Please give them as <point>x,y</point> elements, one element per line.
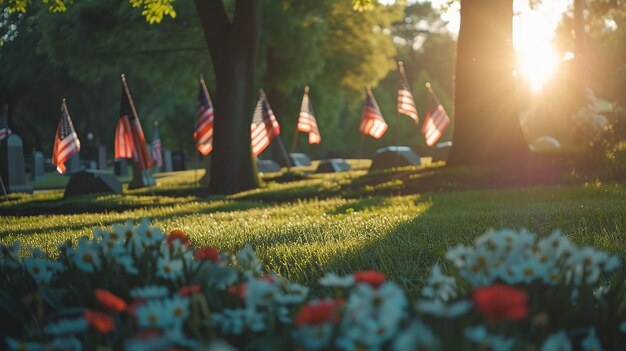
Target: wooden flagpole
<point>280,140</point>
<point>397,126</point>
<point>132,106</point>
<point>295,132</point>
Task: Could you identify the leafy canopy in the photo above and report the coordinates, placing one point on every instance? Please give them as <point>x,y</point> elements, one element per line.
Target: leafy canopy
<point>152,10</point>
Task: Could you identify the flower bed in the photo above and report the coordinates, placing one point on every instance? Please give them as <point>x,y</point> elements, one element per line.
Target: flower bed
<point>137,288</point>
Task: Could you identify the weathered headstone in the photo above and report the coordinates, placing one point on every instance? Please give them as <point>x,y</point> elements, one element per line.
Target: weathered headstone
<point>36,170</point>
<point>332,165</point>
<point>120,167</point>
<point>178,161</point>
<point>167,160</point>
<point>92,182</point>
<point>102,157</point>
<point>297,160</point>
<point>266,166</point>
<point>73,164</point>
<point>16,182</point>
<point>394,156</point>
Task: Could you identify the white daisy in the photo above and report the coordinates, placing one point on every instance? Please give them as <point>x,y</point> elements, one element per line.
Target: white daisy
<point>169,269</point>
<point>149,292</point>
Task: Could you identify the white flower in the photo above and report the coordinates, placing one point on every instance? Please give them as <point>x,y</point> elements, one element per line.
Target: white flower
<point>417,336</point>
<point>178,308</point>
<point>554,246</point>
<point>442,310</point>
<point>294,294</point>
<point>314,337</point>
<point>153,314</point>
<point>220,345</point>
<point>149,292</point>
<point>373,316</point>
<point>248,262</point>
<point>458,255</point>
<point>121,257</point>
<point>334,281</point>
<point>261,292</point>
<point>66,344</point>
<point>439,286</point>
<point>15,345</point>
<point>230,321</point>
<point>85,256</point>
<point>169,269</point>
<point>477,334</point>
<point>557,342</point>
<point>42,270</point>
<point>66,326</point>
<point>108,239</point>
<point>529,270</point>
<point>591,342</point>
<point>145,235</point>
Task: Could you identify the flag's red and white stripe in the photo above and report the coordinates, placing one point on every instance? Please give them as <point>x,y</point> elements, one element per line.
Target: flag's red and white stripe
<point>130,141</point>
<point>307,122</point>
<point>66,141</point>
<point>372,122</point>
<point>436,121</point>
<point>203,130</point>
<point>264,126</point>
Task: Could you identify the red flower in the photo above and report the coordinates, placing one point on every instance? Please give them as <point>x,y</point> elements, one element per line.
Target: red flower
<point>319,313</point>
<point>110,301</point>
<point>500,301</point>
<point>373,278</point>
<point>180,236</point>
<point>208,253</point>
<point>189,290</point>
<point>101,321</point>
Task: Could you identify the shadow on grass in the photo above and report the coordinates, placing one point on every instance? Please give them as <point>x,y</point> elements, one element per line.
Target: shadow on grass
<point>212,207</point>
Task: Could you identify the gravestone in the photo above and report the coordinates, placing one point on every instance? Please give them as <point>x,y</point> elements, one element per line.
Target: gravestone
<point>167,160</point>
<point>36,170</point>
<point>102,157</point>
<point>266,166</point>
<point>16,182</point>
<point>178,161</point>
<point>92,182</point>
<point>394,156</point>
<point>73,164</point>
<point>120,167</point>
<point>332,165</point>
<point>441,151</point>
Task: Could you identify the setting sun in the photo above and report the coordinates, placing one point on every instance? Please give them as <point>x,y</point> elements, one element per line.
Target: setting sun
<point>537,59</point>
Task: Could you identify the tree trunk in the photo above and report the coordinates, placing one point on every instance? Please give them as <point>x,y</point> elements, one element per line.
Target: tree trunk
<point>232,47</point>
<point>486,128</point>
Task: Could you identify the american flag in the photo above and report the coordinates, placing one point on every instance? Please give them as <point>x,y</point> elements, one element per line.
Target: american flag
<point>203,130</point>
<point>372,122</point>
<point>306,120</point>
<point>129,139</point>
<point>66,141</point>
<point>436,120</point>
<point>4,123</point>
<point>156,147</point>
<point>406,104</point>
<point>264,126</point>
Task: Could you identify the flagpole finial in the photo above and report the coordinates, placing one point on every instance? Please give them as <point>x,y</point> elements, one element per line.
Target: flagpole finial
<point>428,85</point>
<point>262,92</point>
<point>156,123</point>
<point>306,89</point>
<point>400,64</point>
<point>63,100</point>
<point>123,77</point>
<point>202,76</point>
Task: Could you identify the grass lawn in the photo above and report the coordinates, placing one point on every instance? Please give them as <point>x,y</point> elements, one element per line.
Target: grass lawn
<point>399,221</point>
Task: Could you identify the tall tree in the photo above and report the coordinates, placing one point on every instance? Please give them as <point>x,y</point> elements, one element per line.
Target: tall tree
<point>487,128</point>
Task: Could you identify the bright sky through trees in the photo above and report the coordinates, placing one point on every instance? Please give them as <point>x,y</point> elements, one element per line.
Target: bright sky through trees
<point>533,31</point>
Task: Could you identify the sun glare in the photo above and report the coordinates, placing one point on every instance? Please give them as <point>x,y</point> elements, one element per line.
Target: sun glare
<point>533,31</point>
